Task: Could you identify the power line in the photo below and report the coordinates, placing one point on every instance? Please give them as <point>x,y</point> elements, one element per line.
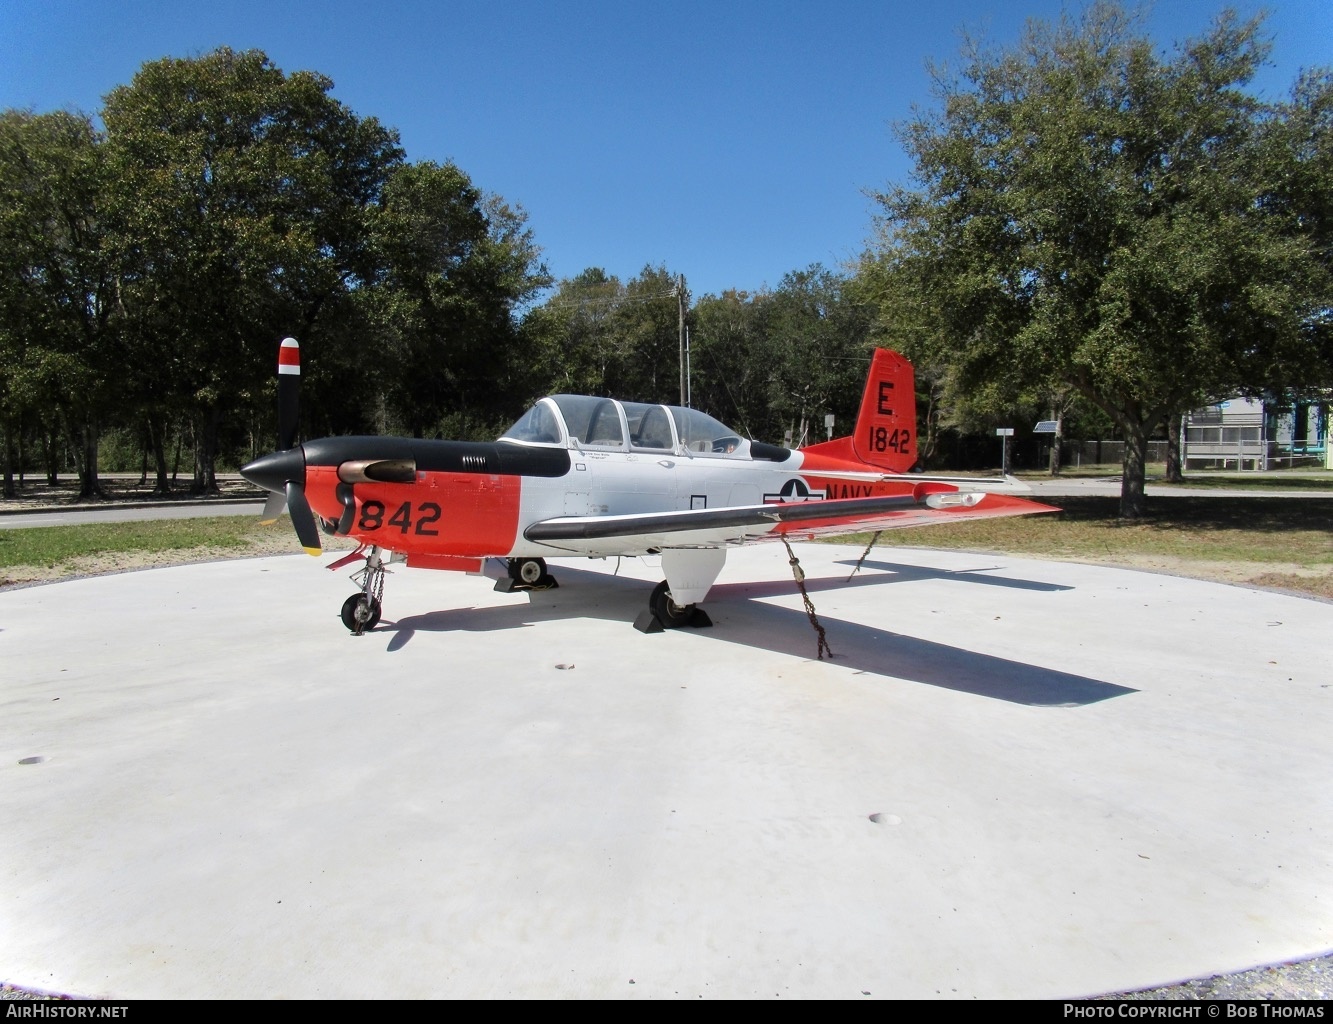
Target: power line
<point>611,300</point>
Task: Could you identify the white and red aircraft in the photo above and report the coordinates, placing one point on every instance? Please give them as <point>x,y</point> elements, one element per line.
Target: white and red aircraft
<point>585,476</point>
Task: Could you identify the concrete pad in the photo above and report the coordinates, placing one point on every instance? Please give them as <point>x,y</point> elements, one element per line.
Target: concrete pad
<point>1017,778</point>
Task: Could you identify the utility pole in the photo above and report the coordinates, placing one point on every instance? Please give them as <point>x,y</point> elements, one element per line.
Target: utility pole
<point>688,399</point>
<point>680,305</point>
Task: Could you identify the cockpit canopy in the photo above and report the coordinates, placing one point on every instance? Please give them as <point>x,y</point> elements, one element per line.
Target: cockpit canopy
<point>580,421</point>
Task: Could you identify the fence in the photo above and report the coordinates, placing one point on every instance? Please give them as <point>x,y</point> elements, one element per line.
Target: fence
<point>1238,454</point>
<point>1250,454</point>
<point>1106,453</point>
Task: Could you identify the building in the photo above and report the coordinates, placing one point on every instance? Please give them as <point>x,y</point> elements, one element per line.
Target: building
<point>1249,433</point>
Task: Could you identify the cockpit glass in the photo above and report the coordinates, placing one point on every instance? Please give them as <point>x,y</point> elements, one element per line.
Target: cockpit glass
<point>701,433</point>
<point>536,426</point>
<point>649,426</point>
<point>602,423</point>
<point>594,422</point>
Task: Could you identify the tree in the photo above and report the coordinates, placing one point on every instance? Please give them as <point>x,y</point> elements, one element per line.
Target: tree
<point>597,335</point>
<point>816,349</point>
<point>729,370</point>
<point>568,338</point>
<point>1091,216</point>
<point>646,324</point>
<point>453,265</point>
<point>240,215</point>
<point>1299,171</point>
<point>58,332</point>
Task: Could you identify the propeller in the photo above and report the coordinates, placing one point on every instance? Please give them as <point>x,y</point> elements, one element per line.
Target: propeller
<point>302,518</point>
<point>282,473</point>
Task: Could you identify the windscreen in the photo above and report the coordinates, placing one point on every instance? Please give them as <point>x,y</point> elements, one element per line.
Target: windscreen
<point>536,426</point>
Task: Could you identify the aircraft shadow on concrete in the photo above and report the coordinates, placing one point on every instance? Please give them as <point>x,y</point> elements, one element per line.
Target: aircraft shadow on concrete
<point>740,619</point>
<point>901,573</point>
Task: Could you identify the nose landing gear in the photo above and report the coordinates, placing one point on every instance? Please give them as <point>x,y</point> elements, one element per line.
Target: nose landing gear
<point>361,611</point>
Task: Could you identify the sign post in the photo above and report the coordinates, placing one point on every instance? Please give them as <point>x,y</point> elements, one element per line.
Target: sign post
<point>1051,427</point>
<point>1004,433</point>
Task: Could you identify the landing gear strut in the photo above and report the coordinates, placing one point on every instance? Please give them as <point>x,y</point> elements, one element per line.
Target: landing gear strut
<point>361,611</point>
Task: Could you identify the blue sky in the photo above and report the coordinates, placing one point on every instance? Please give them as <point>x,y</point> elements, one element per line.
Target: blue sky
<point>730,141</point>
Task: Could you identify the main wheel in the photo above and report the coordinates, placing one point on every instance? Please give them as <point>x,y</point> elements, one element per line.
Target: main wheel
<point>668,613</point>
<point>360,613</point>
<point>528,571</point>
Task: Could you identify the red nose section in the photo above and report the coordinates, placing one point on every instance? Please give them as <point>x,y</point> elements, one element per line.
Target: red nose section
<point>471,515</point>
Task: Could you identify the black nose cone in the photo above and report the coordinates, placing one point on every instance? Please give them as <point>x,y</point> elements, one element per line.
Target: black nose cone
<point>274,472</point>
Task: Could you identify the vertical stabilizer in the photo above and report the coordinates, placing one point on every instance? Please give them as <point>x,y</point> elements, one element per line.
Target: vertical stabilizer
<point>886,426</point>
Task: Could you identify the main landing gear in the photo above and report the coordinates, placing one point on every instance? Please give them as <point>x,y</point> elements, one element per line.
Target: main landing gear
<point>690,573</point>
<point>663,613</point>
<point>361,611</point>
<point>526,574</point>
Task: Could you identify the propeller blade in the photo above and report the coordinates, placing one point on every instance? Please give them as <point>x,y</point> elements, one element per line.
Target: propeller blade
<point>282,473</point>
<point>302,518</point>
<point>274,507</point>
<point>289,393</point>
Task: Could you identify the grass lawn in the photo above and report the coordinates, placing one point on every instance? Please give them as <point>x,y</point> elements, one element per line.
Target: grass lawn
<point>52,546</point>
<point>1203,529</point>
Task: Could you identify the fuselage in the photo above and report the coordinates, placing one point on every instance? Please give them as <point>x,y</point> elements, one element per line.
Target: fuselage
<point>447,504</point>
<point>472,500</point>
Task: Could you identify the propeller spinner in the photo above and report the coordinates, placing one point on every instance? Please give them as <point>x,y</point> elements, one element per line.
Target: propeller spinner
<point>282,473</point>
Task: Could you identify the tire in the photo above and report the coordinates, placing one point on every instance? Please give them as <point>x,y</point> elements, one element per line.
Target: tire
<point>360,606</point>
<point>669,614</point>
<point>527,571</point>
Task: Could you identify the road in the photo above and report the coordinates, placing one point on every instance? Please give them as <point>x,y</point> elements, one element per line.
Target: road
<point>129,513</point>
<point>1086,487</point>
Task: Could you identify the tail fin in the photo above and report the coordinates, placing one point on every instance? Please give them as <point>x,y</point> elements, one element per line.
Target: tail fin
<point>885,433</point>
<point>886,426</point>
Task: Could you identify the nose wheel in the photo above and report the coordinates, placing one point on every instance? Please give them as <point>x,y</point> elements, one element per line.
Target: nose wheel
<point>360,613</point>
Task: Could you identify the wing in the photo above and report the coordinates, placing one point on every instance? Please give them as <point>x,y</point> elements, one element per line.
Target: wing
<point>992,485</point>
<point>742,524</point>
